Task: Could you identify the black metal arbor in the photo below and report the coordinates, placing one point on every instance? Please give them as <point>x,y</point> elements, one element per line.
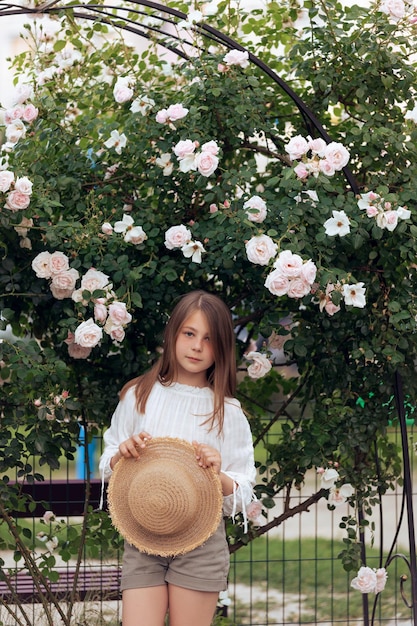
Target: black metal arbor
<point>162,18</point>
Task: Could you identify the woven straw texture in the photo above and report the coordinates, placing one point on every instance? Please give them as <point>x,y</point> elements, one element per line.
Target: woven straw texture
<point>164,503</point>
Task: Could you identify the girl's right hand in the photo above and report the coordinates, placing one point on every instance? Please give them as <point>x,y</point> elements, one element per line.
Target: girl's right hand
<point>130,448</point>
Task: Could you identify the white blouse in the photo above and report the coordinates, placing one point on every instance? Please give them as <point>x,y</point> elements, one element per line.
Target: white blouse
<point>179,410</point>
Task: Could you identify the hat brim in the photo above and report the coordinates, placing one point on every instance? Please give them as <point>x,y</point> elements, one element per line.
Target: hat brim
<point>204,489</point>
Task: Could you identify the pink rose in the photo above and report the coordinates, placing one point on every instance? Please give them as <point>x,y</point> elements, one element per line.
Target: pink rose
<point>365,581</point>
<point>118,314</point>
<point>206,163</point>
<point>261,249</point>
<point>177,236</point>
<point>327,167</point>
<point>277,283</point>
<point>308,272</point>
<point>88,334</point>
<point>337,155</point>
<point>381,579</point>
<point>184,148</point>
<point>16,113</point>
<point>387,219</point>
<point>65,280</point>
<point>297,147</point>
<point>176,112</point>
<point>254,512</point>
<point>41,265</point>
<point>117,333</point>
<point>298,288</point>
<point>162,116</point>
<point>331,308</point>
<point>30,113</point>
<point>58,262</point>
<point>100,312</point>
<point>17,201</point>
<point>122,92</point>
<point>317,146</point>
<point>6,179</point>
<point>106,228</point>
<point>301,171</point>
<point>260,365</point>
<point>372,211</point>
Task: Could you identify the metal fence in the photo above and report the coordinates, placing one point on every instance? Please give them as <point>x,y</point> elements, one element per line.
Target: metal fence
<point>290,576</point>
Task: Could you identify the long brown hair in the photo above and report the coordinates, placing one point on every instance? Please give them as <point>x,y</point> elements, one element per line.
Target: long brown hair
<point>221,376</point>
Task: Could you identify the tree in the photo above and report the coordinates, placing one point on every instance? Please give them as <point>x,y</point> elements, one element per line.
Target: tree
<point>130,176</point>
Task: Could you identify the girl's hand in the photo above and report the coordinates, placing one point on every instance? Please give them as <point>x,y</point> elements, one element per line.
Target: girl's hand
<point>207,456</point>
<point>130,448</point>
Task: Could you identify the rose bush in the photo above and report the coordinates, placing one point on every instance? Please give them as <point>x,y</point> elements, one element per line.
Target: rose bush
<point>127,178</point>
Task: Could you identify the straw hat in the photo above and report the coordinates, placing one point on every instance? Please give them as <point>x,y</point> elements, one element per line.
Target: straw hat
<point>163,502</point>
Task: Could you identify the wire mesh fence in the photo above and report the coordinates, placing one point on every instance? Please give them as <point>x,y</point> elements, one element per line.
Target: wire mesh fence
<point>292,575</point>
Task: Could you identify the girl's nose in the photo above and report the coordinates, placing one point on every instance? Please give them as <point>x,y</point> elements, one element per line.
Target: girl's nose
<point>198,344</point>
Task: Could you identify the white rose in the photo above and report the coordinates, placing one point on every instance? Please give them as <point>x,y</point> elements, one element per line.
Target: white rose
<point>122,92</point>
<point>41,265</point>
<point>210,146</point>
<point>118,314</point>
<point>6,179</point>
<point>290,264</point>
<point>94,279</point>
<point>255,209</point>
<point>88,334</point>
<point>298,288</point>
<point>206,163</point>
<point>17,201</point>
<point>65,280</point>
<point>15,131</point>
<point>261,249</point>
<point>177,236</point>
<point>184,148</point>
<point>135,235</point>
<point>297,147</point>
<point>277,283</point>
<point>237,57</point>
<point>260,365</point>
<point>337,155</point>
<point>23,185</point>
<point>176,112</point>
<point>365,581</point>
<point>58,262</point>
<point>329,477</point>
<point>308,272</point>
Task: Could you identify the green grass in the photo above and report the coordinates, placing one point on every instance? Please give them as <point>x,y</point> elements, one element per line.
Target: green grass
<point>309,569</point>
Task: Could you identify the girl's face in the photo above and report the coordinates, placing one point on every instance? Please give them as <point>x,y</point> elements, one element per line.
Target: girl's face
<point>193,351</point>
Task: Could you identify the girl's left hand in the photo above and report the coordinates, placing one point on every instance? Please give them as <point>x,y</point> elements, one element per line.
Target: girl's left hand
<point>207,456</point>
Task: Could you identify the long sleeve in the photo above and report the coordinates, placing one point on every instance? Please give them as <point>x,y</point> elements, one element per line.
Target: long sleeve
<point>180,411</point>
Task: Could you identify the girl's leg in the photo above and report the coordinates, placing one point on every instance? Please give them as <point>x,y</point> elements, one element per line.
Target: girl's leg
<point>191,608</point>
<point>146,606</point>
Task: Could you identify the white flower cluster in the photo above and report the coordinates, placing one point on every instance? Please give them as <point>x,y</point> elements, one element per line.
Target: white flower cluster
<point>329,478</point>
<point>316,156</point>
<point>205,160</point>
<point>110,315</point>
<point>384,213</point>
<point>131,233</point>
<point>18,191</point>
<point>180,237</point>
<point>16,118</point>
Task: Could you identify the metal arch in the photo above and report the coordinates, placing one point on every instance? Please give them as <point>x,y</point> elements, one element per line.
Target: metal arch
<point>167,15</point>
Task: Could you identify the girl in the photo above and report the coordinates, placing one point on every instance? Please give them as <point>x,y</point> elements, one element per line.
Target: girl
<point>188,394</point>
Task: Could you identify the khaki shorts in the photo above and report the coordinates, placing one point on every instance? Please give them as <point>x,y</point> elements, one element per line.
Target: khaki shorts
<point>204,569</point>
